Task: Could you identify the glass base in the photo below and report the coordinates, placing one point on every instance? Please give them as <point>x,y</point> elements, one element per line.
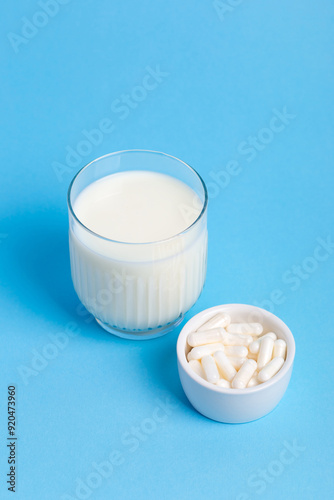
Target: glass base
<point>151,333</point>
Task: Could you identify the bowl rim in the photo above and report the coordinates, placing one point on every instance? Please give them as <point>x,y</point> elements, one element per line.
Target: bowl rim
<point>195,322</point>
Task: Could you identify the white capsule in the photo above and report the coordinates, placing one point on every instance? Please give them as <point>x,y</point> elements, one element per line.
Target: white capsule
<point>265,352</point>
<point>245,328</point>
<point>255,345</point>
<point>205,337</point>
<point>219,320</point>
<point>196,366</point>
<point>210,369</point>
<point>236,362</point>
<point>279,348</point>
<point>225,366</point>
<point>240,351</point>
<point>223,383</point>
<point>269,334</point>
<point>254,380</point>
<point>244,375</point>
<point>236,339</point>
<point>204,350</point>
<point>270,369</point>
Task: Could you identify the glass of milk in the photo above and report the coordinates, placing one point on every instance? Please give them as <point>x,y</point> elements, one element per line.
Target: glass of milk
<point>138,241</point>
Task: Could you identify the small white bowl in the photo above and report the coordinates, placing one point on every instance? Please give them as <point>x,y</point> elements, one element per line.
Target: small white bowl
<point>235,406</point>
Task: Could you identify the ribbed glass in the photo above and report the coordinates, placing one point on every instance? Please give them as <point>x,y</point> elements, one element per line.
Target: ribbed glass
<point>138,290</point>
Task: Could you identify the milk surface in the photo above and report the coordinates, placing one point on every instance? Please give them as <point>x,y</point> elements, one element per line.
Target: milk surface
<point>152,271</point>
<point>137,206</point>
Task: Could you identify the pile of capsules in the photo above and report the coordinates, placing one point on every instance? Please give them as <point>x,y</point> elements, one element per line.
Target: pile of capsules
<point>235,355</point>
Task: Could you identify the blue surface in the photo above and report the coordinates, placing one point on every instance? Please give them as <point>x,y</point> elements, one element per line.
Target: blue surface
<point>223,80</point>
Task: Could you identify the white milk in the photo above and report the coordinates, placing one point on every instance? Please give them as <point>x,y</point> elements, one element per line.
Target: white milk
<point>150,274</point>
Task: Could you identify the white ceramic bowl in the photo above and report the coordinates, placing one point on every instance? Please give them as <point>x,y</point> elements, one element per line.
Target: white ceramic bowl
<point>235,405</point>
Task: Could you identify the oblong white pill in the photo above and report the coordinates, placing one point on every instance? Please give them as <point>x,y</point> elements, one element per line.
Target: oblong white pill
<point>240,351</point>
<point>196,366</point>
<point>265,352</point>
<point>205,337</point>
<point>210,369</point>
<point>244,375</point>
<point>225,366</point>
<point>236,339</point>
<point>204,350</point>
<point>270,369</point>
<point>223,383</point>
<point>219,320</point>
<point>245,328</point>
<point>254,347</point>
<point>279,348</point>
<point>236,362</point>
<point>269,334</point>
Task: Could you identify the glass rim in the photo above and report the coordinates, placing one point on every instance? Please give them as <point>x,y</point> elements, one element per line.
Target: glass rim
<point>199,217</point>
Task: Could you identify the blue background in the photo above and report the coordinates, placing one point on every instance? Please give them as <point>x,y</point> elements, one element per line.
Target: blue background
<point>223,77</point>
